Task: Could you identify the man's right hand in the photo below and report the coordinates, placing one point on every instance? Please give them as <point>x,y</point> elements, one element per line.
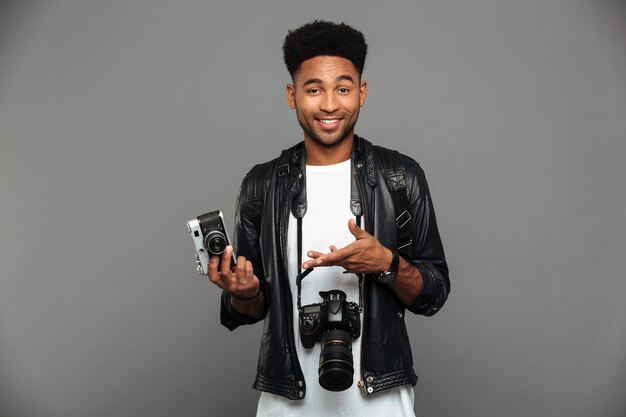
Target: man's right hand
<point>238,280</point>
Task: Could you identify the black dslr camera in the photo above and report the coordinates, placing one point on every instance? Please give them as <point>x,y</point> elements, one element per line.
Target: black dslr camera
<point>336,323</point>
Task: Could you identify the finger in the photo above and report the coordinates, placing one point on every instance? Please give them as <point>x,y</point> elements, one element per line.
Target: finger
<point>241,269</point>
<point>213,273</point>
<point>245,278</point>
<point>249,271</point>
<point>329,259</point>
<point>356,231</point>
<point>311,263</point>
<point>225,262</point>
<point>314,254</point>
<point>332,248</point>
<point>336,256</point>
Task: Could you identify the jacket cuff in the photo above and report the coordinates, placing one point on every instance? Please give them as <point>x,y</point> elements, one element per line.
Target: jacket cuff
<point>229,317</point>
<point>434,292</point>
<point>420,306</point>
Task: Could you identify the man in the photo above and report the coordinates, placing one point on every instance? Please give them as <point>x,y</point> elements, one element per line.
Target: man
<point>304,210</point>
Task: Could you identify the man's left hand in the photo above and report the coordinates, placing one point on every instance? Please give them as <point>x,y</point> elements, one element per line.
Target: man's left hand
<point>365,255</point>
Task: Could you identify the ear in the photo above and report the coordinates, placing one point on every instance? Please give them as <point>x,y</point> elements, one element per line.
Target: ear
<point>363,91</point>
<point>291,95</point>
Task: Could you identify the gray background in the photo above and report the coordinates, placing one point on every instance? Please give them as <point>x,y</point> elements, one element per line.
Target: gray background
<point>119,120</point>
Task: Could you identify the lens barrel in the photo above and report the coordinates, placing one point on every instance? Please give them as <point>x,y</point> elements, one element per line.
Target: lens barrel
<point>215,242</point>
<point>336,370</point>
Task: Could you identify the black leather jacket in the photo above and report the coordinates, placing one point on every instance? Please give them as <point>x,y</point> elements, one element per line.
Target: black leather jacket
<point>267,193</point>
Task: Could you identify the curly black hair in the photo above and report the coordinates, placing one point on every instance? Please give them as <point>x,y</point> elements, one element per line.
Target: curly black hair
<point>324,38</point>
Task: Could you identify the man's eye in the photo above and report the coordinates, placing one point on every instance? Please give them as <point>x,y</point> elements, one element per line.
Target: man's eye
<point>314,91</point>
<point>344,90</point>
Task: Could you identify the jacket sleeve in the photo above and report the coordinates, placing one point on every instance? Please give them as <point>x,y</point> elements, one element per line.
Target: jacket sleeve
<point>248,212</point>
<point>427,251</point>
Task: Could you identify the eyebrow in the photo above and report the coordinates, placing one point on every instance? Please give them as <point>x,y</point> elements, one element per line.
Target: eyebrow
<point>312,81</point>
<point>345,77</point>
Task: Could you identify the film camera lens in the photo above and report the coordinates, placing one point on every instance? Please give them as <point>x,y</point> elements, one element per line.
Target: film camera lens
<point>336,370</point>
<point>215,242</point>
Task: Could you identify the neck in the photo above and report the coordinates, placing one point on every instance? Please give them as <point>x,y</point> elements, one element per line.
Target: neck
<point>317,154</point>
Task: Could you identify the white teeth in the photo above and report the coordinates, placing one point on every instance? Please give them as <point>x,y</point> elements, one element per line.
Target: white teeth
<point>328,122</point>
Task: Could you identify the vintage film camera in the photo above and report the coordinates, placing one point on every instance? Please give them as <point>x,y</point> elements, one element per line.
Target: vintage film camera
<point>334,322</point>
<point>210,238</point>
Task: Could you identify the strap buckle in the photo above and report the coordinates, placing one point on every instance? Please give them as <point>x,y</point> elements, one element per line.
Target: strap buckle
<point>404,245</point>
<point>403,219</point>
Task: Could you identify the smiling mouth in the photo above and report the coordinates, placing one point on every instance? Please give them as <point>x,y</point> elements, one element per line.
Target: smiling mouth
<point>329,123</point>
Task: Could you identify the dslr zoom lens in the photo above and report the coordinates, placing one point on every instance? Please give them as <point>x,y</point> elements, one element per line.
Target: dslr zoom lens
<point>336,371</point>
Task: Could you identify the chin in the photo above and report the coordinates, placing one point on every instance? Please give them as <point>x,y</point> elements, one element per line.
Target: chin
<point>330,142</point>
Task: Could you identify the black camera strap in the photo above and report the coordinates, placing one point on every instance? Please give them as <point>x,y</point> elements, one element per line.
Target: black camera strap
<point>303,274</point>
<point>298,209</point>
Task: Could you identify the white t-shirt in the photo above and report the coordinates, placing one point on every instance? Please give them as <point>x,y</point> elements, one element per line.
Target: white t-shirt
<point>325,224</point>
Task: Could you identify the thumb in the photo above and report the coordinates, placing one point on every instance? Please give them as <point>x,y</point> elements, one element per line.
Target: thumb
<point>356,231</point>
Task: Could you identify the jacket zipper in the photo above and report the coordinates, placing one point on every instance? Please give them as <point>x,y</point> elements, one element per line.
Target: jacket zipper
<point>361,382</point>
<point>284,221</point>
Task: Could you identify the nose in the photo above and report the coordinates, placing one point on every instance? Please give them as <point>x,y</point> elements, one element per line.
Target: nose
<point>329,103</point>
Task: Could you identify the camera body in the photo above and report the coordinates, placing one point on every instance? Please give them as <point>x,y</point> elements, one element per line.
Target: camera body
<point>334,313</point>
<point>334,322</point>
<point>209,237</point>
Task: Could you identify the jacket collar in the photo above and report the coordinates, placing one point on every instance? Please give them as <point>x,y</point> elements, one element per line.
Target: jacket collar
<point>362,159</point>
<point>298,152</point>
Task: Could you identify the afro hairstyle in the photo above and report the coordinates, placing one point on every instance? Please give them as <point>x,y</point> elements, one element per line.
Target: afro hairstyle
<point>324,38</point>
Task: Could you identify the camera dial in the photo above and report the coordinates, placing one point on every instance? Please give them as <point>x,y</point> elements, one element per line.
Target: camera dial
<point>307,324</point>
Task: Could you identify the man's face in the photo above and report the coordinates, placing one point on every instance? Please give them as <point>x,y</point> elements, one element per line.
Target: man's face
<point>327,94</point>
